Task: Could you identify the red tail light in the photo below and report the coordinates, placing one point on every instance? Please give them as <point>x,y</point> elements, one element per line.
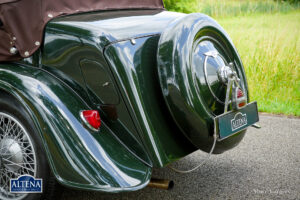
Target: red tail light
<point>92,118</point>
<point>239,95</point>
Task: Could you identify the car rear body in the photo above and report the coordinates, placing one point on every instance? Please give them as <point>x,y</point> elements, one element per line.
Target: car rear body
<point>109,61</point>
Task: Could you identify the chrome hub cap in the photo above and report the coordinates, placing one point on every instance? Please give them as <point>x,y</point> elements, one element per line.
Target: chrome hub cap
<point>12,154</point>
<point>17,155</point>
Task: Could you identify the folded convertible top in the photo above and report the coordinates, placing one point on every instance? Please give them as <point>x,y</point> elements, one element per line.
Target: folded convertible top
<point>22,21</point>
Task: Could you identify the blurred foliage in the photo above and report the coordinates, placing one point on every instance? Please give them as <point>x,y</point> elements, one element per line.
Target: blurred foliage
<point>291,1</point>
<point>218,8</point>
<point>269,46</point>
<point>267,36</point>
<point>179,5</point>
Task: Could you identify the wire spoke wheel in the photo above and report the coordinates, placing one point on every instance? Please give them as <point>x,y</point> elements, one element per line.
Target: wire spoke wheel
<point>17,155</point>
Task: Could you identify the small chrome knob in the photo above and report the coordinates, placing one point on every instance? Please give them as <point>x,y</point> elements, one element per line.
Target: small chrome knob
<point>224,73</point>
<point>13,50</point>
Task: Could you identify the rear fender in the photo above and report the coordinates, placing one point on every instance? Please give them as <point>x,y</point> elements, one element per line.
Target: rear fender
<point>78,157</point>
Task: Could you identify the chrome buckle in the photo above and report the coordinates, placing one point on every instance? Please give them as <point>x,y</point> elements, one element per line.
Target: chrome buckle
<point>227,74</point>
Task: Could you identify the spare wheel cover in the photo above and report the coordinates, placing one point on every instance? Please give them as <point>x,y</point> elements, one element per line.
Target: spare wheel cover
<point>192,104</point>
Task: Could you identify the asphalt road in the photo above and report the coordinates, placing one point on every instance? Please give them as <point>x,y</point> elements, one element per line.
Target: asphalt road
<point>266,165</point>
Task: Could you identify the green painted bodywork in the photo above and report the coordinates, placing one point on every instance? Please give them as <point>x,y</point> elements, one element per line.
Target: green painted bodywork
<point>105,61</point>
<point>89,38</point>
<point>78,157</point>
<point>136,72</point>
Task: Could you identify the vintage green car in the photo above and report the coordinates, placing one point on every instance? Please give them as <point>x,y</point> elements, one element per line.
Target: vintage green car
<point>94,95</point>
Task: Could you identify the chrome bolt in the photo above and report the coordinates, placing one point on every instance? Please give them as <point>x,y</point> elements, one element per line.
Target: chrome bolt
<point>13,50</point>
<point>133,42</point>
<point>105,84</point>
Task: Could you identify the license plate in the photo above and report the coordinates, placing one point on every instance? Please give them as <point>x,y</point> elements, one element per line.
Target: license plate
<point>232,122</point>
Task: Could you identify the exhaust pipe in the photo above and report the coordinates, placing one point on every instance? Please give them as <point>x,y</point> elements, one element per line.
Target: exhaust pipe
<point>161,184</point>
<point>256,125</point>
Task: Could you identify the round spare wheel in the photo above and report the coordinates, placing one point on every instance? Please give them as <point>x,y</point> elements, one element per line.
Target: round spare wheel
<point>191,51</point>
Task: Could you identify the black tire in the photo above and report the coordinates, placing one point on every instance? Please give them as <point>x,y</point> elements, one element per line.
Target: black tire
<point>51,188</point>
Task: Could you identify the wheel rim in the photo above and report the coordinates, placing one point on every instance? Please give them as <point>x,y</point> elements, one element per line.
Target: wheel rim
<point>17,155</point>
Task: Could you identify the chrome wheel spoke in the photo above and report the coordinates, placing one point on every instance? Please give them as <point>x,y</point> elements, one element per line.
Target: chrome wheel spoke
<point>17,155</point>
<point>12,163</point>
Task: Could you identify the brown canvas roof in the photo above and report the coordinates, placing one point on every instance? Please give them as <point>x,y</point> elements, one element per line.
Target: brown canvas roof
<point>22,21</point>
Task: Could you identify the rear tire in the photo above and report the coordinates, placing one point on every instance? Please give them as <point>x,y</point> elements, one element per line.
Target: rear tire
<point>26,154</point>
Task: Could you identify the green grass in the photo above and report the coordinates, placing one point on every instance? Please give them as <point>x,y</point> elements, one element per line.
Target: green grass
<point>267,36</point>
<point>223,8</point>
<point>269,46</point>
